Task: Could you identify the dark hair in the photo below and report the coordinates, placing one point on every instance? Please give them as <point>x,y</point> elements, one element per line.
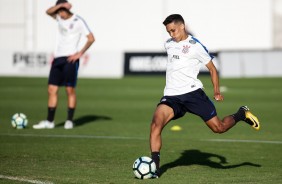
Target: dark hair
<point>61,1</point>
<point>173,18</point>
<point>64,9</point>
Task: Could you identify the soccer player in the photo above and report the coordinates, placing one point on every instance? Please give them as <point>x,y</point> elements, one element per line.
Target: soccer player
<point>66,60</point>
<point>184,91</point>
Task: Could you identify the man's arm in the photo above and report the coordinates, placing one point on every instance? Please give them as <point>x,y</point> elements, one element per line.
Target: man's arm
<point>53,10</point>
<point>90,41</point>
<point>215,81</point>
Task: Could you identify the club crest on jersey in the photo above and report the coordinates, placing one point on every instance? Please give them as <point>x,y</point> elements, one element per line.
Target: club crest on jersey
<point>185,49</point>
<point>71,26</point>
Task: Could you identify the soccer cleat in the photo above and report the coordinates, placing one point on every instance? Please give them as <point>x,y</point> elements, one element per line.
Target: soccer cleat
<point>250,118</point>
<point>156,175</point>
<point>45,124</point>
<point>68,124</point>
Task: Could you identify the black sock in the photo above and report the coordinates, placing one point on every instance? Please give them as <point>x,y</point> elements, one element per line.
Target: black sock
<point>156,159</point>
<point>70,113</point>
<point>51,113</point>
<point>239,115</point>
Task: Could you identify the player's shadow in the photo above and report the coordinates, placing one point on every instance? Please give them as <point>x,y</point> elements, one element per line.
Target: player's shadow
<point>86,119</point>
<point>196,157</point>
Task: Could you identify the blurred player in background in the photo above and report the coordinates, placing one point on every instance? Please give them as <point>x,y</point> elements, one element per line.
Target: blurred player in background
<point>66,61</point>
<point>184,91</point>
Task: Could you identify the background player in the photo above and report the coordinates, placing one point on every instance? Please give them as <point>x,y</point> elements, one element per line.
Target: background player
<point>65,65</point>
<point>183,91</point>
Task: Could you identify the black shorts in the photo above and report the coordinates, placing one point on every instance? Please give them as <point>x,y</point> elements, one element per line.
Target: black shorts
<point>195,102</point>
<point>63,73</point>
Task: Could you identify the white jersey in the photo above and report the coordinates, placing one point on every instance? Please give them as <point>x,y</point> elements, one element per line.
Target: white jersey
<point>185,59</point>
<point>69,34</point>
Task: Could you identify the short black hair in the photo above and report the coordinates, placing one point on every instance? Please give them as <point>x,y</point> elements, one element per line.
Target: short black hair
<point>61,1</point>
<point>64,9</point>
<point>173,18</point>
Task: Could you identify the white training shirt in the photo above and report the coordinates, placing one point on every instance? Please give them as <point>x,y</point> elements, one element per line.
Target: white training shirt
<point>184,62</point>
<point>69,34</point>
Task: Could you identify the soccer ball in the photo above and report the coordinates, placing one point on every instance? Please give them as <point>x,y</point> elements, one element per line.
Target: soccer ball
<point>19,121</point>
<point>144,167</point>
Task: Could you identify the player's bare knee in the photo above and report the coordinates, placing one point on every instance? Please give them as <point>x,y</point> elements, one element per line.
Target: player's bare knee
<point>70,91</point>
<point>52,91</point>
<point>157,123</point>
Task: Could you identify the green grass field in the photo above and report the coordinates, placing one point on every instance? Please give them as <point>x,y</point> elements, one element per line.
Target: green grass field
<point>113,118</point>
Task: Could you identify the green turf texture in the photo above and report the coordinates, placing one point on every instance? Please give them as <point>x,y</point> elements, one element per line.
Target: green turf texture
<point>113,122</point>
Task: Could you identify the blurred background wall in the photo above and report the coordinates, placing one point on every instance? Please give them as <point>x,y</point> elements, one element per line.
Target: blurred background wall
<point>28,35</point>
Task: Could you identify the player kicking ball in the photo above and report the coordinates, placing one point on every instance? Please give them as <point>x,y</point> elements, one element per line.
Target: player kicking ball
<point>184,91</point>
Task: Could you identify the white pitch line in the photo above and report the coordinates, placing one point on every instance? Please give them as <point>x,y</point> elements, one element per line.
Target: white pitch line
<point>24,180</point>
<point>132,138</point>
<point>246,141</point>
<point>75,136</point>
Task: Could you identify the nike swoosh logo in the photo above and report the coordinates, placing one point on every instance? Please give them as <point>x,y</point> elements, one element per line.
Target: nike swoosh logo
<point>212,113</point>
<point>256,124</point>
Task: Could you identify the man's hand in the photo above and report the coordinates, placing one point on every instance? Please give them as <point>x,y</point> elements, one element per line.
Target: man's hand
<point>66,5</point>
<point>74,57</point>
<point>218,97</point>
<point>53,10</point>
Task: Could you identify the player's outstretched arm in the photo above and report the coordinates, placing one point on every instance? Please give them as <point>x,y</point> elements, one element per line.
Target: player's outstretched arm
<point>53,10</point>
<point>215,81</point>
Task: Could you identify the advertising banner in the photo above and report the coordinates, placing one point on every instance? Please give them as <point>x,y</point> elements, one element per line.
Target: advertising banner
<point>38,64</point>
<point>151,63</point>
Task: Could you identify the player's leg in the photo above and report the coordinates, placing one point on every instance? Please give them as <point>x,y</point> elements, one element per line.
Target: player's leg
<point>71,96</point>
<point>52,95</point>
<point>71,107</point>
<point>54,81</point>
<point>70,72</point>
<point>197,102</point>
<point>218,126</point>
<point>162,115</point>
<point>243,114</point>
<point>52,104</point>
<point>52,101</point>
